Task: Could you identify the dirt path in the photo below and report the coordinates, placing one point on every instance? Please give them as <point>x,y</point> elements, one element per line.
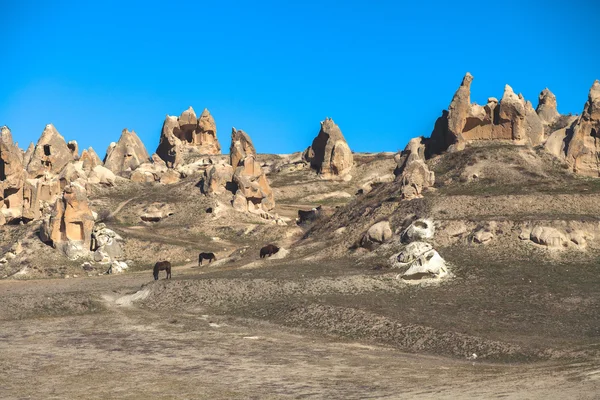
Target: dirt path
<point>120,206</point>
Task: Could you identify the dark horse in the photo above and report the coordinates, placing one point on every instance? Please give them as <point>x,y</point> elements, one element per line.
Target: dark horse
<point>162,266</point>
<point>206,256</point>
<point>268,250</point>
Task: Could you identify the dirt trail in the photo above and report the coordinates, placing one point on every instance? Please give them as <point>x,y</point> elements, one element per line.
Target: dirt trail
<point>120,206</point>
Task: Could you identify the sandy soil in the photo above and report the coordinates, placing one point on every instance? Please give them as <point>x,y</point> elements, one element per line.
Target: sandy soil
<point>115,348</point>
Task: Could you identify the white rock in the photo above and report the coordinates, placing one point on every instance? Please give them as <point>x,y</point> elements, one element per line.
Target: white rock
<point>421,229</point>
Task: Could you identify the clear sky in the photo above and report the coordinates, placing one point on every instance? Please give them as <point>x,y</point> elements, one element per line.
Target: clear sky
<point>383,70</point>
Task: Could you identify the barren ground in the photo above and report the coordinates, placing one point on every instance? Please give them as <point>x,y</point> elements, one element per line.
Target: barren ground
<point>127,351</point>
<point>330,320</point>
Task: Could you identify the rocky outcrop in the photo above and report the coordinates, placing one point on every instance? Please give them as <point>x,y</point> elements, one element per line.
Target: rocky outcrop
<point>100,175</point>
<point>28,154</point>
<point>582,149</point>
<point>547,107</point>
<point>378,233</point>
<point>241,146</point>
<point>51,154</point>
<point>418,258</point>
<point>329,153</point>
<point>40,195</point>
<point>105,244</point>
<point>253,189</point>
<point>12,178</point>
<point>156,212</point>
<point>74,148</point>
<point>412,170</point>
<point>187,133</point>
<point>69,228</point>
<point>419,230</point>
<point>549,237</point>
<point>155,171</point>
<point>216,178</point>
<point>512,119</point>
<point>90,159</point>
<point>126,155</point>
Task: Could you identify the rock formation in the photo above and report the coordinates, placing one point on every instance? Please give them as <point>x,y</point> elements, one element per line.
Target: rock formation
<point>582,150</point>
<point>105,244</point>
<point>378,233</point>
<point>156,212</point>
<point>51,154</point>
<point>329,153</point>
<point>39,196</point>
<point>90,159</point>
<point>418,257</point>
<point>12,178</point>
<point>28,153</point>
<point>187,133</point>
<point>216,178</point>
<point>155,171</point>
<point>512,119</point>
<point>69,228</point>
<point>126,155</point>
<point>412,170</point>
<point>547,108</point>
<point>253,193</point>
<point>241,146</point>
<point>74,148</point>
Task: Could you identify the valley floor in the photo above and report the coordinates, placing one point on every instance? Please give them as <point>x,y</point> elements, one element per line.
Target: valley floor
<point>116,349</point>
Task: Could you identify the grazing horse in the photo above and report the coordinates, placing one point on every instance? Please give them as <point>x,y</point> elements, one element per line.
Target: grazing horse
<point>308,216</point>
<point>268,250</point>
<point>162,266</point>
<point>206,256</point>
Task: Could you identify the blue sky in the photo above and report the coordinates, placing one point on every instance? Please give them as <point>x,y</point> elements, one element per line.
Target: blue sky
<point>382,70</point>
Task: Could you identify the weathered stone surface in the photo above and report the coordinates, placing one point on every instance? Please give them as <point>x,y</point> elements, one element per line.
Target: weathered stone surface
<point>412,169</point>
<point>187,133</point>
<point>74,148</point>
<point>216,178</point>
<point>548,236</point>
<point>40,195</point>
<point>582,152</point>
<point>380,232</point>
<point>170,176</point>
<point>248,175</point>
<point>150,171</point>
<point>12,178</point>
<point>156,212</point>
<point>101,176</point>
<point>421,261</point>
<point>51,154</point>
<point>170,148</point>
<point>241,146</point>
<point>28,154</point>
<point>127,154</point>
<point>547,107</point>
<point>329,153</point>
<point>513,119</point>
<point>419,230</point>
<point>106,242</point>
<point>90,159</point>
<point>72,172</point>
<point>239,202</point>
<point>70,226</point>
<point>483,236</point>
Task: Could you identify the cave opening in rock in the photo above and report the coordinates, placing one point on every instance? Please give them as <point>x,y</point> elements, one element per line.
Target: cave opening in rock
<point>47,151</point>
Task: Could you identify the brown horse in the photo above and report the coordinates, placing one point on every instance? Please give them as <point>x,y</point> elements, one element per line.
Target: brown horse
<point>268,250</point>
<point>162,266</point>
<point>206,256</point>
